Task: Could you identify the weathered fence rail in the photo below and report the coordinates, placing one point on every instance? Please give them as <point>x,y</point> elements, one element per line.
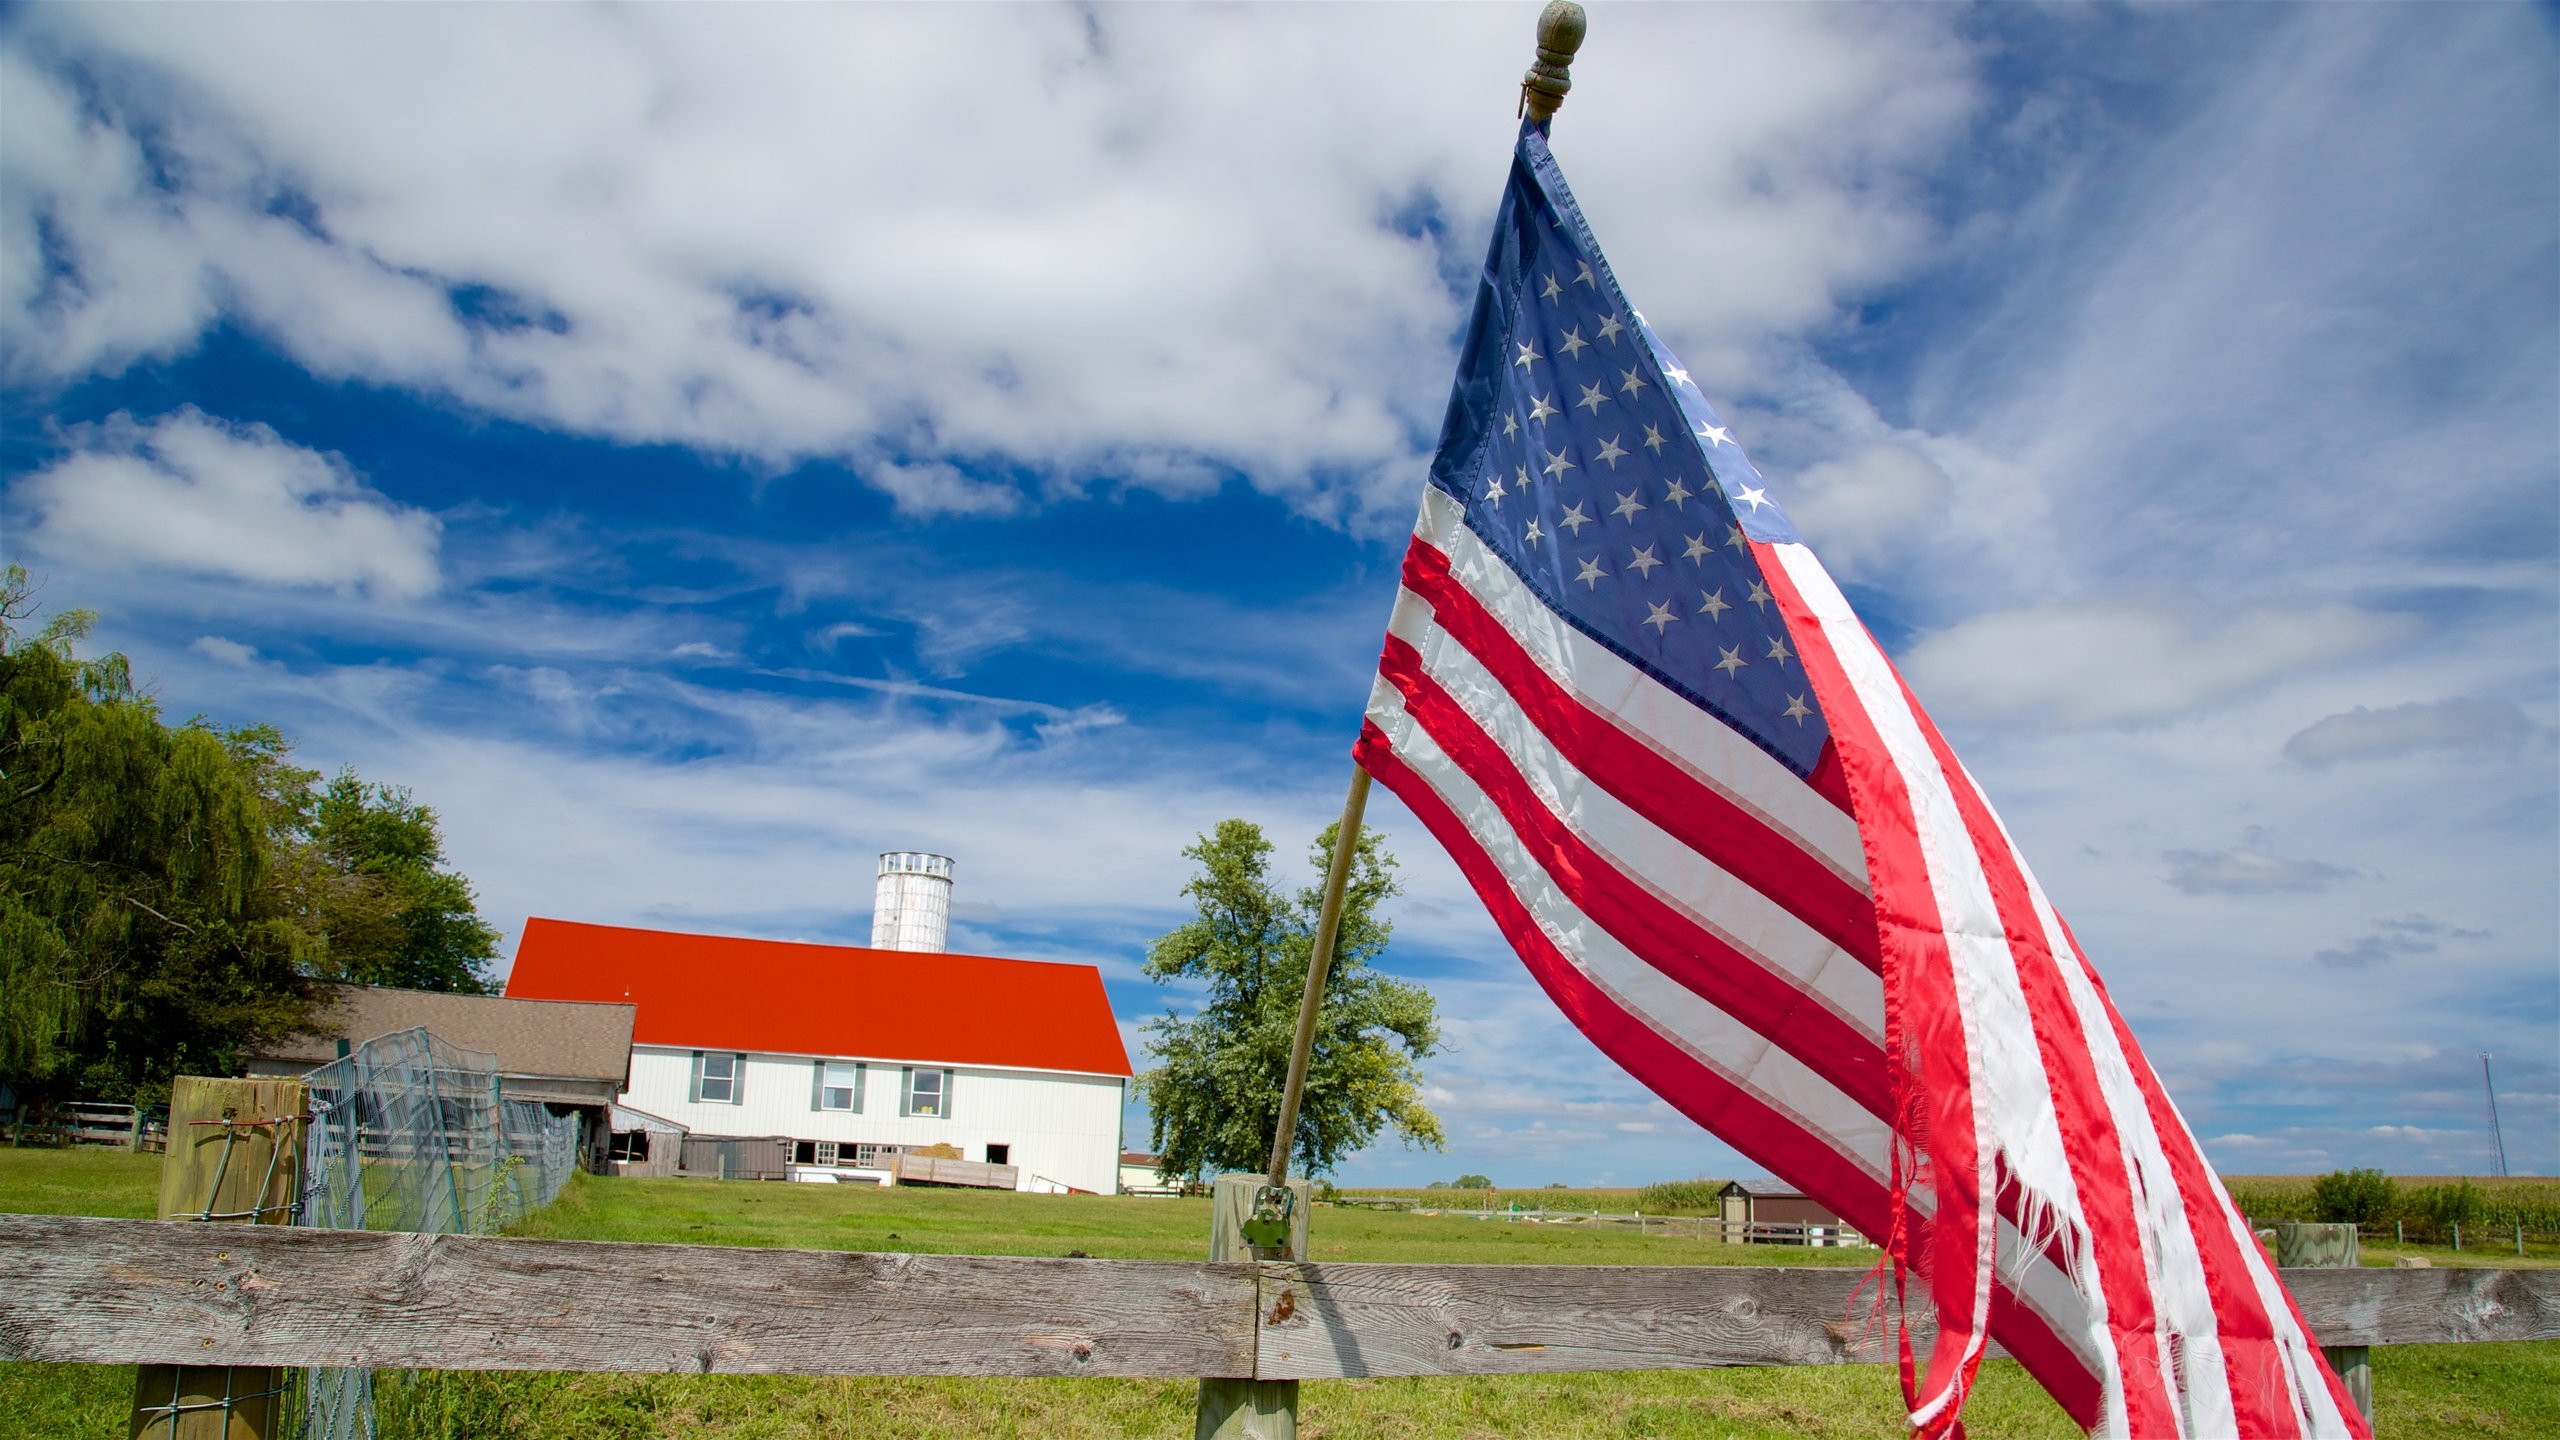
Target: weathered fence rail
<point>140,1291</point>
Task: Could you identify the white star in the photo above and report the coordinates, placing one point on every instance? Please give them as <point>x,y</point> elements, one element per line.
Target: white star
<point>1635,383</point>
<point>1732,660</point>
<point>1628,505</point>
<point>1752,497</point>
<point>1759,594</point>
<point>1712,605</point>
<point>1574,519</point>
<point>1610,452</point>
<point>1553,289</point>
<point>1609,327</point>
<point>1734,537</point>
<point>1698,548</point>
<point>1592,398</point>
<point>1535,534</point>
<point>1676,493</point>
<point>1539,409</point>
<point>1680,375</point>
<point>1557,464</point>
<point>1493,492</point>
<point>1574,344</point>
<point>1658,616</point>
<point>1510,424</point>
<point>1522,471</point>
<point>1653,440</point>
<point>1592,574</point>
<point>1528,352</point>
<point>1643,562</point>
<point>1779,652</point>
<point>1584,277</point>
<point>1715,434</point>
<point>1796,711</point>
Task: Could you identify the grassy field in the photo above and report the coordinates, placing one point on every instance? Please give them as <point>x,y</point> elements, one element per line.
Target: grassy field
<point>2459,1391</point>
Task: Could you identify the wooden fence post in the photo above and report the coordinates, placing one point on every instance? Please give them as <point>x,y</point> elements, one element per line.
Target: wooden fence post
<point>1232,1409</point>
<point>2300,1242</point>
<point>235,1154</point>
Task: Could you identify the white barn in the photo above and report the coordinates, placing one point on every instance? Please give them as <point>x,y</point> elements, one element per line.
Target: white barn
<point>856,1054</point>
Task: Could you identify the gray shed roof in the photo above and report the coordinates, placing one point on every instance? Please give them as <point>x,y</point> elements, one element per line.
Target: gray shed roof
<point>583,1044</point>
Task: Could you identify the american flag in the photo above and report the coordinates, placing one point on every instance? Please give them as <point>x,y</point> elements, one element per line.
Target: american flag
<point>1702,806</point>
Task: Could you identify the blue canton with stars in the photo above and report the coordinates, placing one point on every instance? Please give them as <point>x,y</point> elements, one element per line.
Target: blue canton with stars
<point>1587,460</point>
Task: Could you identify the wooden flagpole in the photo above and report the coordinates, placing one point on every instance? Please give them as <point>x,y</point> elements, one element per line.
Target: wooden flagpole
<point>1265,1217</point>
<point>1561,27</point>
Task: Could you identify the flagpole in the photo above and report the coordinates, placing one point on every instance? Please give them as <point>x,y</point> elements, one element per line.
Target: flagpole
<point>1561,27</point>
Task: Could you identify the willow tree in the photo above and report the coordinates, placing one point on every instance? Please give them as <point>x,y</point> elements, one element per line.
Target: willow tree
<point>1213,1095</point>
<point>138,936</point>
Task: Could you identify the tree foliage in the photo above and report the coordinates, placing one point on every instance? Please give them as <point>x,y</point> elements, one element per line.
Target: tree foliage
<point>1214,1094</point>
<point>2354,1197</point>
<point>169,892</point>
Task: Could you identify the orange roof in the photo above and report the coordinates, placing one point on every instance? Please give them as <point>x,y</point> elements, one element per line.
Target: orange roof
<point>780,997</point>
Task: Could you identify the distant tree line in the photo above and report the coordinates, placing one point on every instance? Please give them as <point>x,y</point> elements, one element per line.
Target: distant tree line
<point>172,894</point>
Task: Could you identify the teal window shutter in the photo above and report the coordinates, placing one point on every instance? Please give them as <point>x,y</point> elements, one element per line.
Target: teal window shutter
<point>693,1086</point>
<point>738,1080</point>
<point>817,1084</point>
<point>946,1094</point>
<point>860,1070</point>
<point>907,1090</point>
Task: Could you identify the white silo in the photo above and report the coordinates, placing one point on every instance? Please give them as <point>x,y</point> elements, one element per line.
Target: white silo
<point>911,906</point>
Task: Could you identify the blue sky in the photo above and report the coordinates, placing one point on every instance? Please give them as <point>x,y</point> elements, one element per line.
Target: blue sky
<point>697,450</point>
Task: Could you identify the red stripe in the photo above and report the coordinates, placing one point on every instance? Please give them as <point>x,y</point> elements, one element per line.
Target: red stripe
<point>1763,1132</point>
<point>2092,1143</point>
<point>1685,804</point>
<point>2261,1400</point>
<point>1921,1017</point>
<point>1730,978</point>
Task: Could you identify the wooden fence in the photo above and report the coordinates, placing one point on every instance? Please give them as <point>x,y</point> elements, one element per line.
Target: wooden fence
<point>141,1291</point>
<point>90,1122</point>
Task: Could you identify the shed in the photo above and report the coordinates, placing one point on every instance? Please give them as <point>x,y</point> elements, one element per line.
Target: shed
<point>569,1054</point>
<point>1772,1212</point>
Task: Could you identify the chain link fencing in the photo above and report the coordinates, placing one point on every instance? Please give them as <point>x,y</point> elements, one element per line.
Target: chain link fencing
<point>411,1133</point>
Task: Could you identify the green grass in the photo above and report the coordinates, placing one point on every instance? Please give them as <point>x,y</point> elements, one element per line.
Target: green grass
<point>2456,1391</point>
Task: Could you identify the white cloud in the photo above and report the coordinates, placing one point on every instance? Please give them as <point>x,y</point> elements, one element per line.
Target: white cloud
<point>2128,661</point>
<point>2246,869</point>
<point>227,652</point>
<point>1136,248</point>
<point>192,493</point>
<point>2456,726</point>
<point>934,488</point>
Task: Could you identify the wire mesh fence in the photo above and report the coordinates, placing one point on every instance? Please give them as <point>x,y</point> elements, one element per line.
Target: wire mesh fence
<point>411,1133</point>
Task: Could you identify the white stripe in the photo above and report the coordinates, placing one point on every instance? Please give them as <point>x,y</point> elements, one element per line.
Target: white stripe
<point>1662,1004</point>
<point>2007,1072</point>
<point>1607,685</point>
<point>2179,1285</point>
<point>1708,895</point>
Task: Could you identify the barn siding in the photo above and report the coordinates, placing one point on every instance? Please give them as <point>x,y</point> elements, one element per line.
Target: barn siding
<point>1062,1127</point>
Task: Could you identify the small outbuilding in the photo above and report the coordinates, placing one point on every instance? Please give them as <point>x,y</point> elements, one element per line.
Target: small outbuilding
<point>567,1054</point>
<point>1772,1212</point>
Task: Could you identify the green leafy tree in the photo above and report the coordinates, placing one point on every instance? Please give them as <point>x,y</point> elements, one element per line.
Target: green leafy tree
<point>1214,1094</point>
<point>389,911</point>
<point>139,936</point>
<point>2354,1197</point>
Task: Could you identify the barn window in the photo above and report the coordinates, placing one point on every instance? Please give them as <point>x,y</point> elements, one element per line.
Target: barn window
<point>927,1094</point>
<point>718,1077</point>
<point>835,1085</point>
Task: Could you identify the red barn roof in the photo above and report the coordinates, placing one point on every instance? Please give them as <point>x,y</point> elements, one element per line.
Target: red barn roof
<point>780,997</point>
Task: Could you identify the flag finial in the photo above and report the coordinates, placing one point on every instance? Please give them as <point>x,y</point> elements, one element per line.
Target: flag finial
<point>1560,28</point>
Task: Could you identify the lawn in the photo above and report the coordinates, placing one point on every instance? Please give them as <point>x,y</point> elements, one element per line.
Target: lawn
<point>2458,1391</point>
